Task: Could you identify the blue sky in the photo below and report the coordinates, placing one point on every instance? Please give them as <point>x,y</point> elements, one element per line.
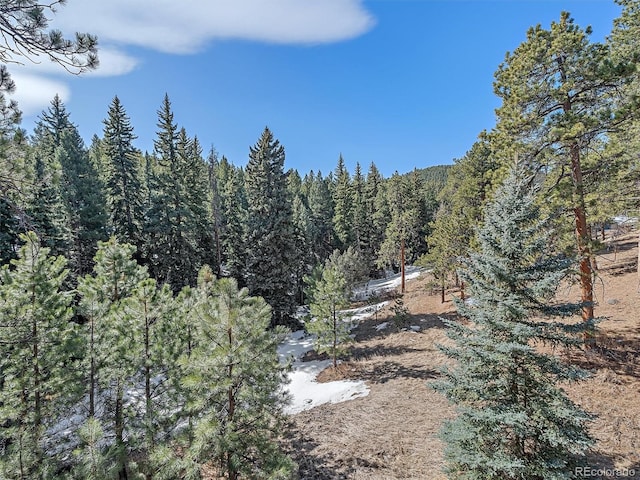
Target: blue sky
<point>402,83</point>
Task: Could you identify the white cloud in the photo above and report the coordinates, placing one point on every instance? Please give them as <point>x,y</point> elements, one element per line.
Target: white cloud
<point>113,62</point>
<point>34,92</point>
<point>38,82</point>
<point>183,27</point>
<point>187,26</point>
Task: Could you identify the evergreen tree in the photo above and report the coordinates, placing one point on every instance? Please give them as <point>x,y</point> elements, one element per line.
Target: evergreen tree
<point>178,204</point>
<point>362,220</point>
<point>114,346</point>
<point>558,92</point>
<point>14,178</point>
<point>233,377</point>
<point>71,213</point>
<point>270,232</point>
<point>122,176</point>
<point>469,186</point>
<point>403,236</point>
<point>328,295</point>
<point>152,312</point>
<point>83,197</point>
<point>321,217</point>
<point>378,210</point>
<point>198,201</point>
<point>301,216</point>
<point>234,218</point>
<point>343,206</point>
<point>514,421</point>
<point>37,352</point>
<point>215,196</point>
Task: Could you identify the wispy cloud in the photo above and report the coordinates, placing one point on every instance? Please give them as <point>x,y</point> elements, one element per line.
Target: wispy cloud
<point>35,92</point>
<point>184,27</point>
<point>189,25</point>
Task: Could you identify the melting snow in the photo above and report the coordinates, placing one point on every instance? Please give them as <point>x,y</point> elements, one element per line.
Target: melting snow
<point>304,390</point>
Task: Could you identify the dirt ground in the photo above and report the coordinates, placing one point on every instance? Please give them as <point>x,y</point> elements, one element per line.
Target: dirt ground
<point>393,432</point>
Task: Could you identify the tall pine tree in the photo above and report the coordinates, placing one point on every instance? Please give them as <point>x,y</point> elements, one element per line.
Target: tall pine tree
<point>270,232</point>
<point>514,420</point>
<point>122,174</point>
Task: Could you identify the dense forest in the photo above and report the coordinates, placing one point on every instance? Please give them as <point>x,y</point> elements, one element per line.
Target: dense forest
<point>143,293</point>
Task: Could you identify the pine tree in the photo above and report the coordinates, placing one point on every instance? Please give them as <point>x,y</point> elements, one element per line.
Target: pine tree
<point>402,236</point>
<point>114,346</point>
<point>178,205</point>
<point>234,218</point>
<point>321,212</point>
<point>469,186</point>
<point>558,92</point>
<point>329,294</point>
<point>122,176</point>
<point>233,378</point>
<point>270,231</point>
<point>514,421</point>
<point>343,206</point>
<point>152,311</point>
<point>83,197</point>
<point>37,352</point>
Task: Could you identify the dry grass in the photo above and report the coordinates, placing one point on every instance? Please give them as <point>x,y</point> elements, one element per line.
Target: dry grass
<point>392,433</point>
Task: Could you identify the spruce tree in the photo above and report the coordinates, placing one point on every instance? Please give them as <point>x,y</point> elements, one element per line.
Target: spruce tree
<point>270,232</point>
<point>362,221</point>
<point>377,210</point>
<point>178,204</point>
<point>514,419</point>
<point>343,206</point>
<point>123,185</point>
<point>72,213</point>
<point>82,194</point>
<point>322,237</point>
<point>14,178</point>
<point>234,219</point>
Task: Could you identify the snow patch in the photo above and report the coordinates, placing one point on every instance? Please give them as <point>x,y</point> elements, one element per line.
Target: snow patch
<point>304,391</point>
<point>376,287</point>
<point>382,326</point>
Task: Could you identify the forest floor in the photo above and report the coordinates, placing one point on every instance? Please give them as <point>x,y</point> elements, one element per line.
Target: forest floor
<point>393,432</point>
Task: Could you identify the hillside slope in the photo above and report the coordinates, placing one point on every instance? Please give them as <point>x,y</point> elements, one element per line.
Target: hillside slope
<point>392,433</point>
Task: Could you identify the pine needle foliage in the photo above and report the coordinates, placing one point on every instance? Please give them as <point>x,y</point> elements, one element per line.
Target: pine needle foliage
<point>232,383</point>
<point>328,293</point>
<point>515,421</point>
<point>37,351</point>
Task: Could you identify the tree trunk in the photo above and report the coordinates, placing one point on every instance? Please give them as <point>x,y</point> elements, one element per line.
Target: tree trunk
<point>119,427</point>
<point>92,371</point>
<point>583,237</point>
<point>402,270</point>
<point>335,340</point>
<point>231,470</point>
